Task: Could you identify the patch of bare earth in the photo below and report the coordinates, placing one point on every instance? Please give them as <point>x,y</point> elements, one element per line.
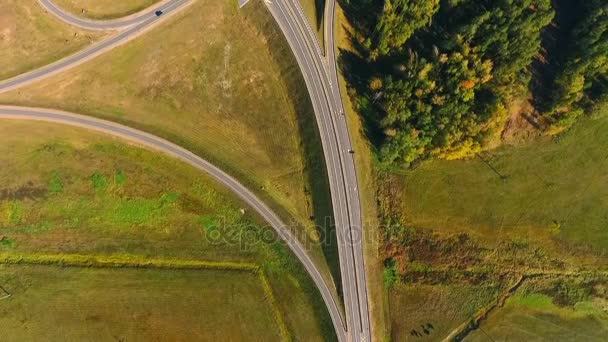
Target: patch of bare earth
<point>524,123</point>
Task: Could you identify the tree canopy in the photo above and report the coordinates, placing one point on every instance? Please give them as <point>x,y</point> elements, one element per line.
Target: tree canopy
<point>444,72</point>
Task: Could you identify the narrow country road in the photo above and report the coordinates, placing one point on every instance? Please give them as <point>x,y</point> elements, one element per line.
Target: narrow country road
<point>129,33</point>
<point>164,6</point>
<point>164,146</point>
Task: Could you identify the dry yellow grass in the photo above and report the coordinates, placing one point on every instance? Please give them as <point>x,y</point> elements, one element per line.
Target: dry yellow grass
<point>209,80</point>
<point>104,9</point>
<point>30,38</point>
<point>204,80</point>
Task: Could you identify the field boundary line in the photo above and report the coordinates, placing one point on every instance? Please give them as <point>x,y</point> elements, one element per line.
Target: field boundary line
<point>122,261</point>
<point>276,310</point>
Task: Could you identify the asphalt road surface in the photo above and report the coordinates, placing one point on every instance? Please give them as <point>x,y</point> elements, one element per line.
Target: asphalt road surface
<point>164,6</point>
<point>320,74</point>
<point>164,146</point>
<point>129,33</point>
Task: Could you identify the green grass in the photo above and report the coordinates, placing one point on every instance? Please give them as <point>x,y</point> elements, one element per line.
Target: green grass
<point>535,317</point>
<point>221,82</point>
<point>30,38</point>
<point>104,9</point>
<point>76,304</point>
<point>123,204</point>
<point>555,188</point>
<point>445,308</point>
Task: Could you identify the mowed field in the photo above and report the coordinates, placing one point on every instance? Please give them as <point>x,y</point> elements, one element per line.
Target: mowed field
<point>73,194</point>
<point>104,9</point>
<point>83,304</point>
<point>533,317</point>
<point>556,188</point>
<point>30,38</point>
<point>430,313</point>
<point>219,81</point>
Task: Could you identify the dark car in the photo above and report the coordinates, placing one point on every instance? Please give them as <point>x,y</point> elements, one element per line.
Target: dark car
<point>158,13</point>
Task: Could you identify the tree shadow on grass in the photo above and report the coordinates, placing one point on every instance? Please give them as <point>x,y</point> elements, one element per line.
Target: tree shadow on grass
<point>319,12</point>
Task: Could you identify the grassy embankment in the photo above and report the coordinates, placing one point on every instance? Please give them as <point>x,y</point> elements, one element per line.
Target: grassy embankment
<point>73,197</point>
<point>104,9</point>
<point>30,38</point>
<point>75,304</point>
<point>221,82</point>
<point>315,11</point>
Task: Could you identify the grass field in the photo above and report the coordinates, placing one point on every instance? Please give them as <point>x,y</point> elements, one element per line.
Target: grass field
<point>108,197</point>
<point>30,38</point>
<point>104,9</point>
<point>80,304</point>
<point>434,311</point>
<point>221,82</point>
<point>556,187</point>
<point>70,191</point>
<point>533,317</point>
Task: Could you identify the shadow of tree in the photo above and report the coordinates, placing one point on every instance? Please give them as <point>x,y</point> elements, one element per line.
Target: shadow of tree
<point>320,12</point>
<point>356,66</point>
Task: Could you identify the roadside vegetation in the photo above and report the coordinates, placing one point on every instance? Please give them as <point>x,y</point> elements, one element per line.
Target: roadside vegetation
<point>315,11</point>
<point>30,38</point>
<point>74,303</point>
<point>221,82</point>
<point>481,186</point>
<point>75,198</point>
<point>104,9</point>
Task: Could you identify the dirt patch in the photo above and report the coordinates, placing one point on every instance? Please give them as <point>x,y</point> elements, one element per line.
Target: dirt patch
<point>524,123</point>
<point>28,191</point>
<point>7,28</point>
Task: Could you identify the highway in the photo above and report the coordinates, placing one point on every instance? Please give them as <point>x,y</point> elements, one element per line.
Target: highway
<point>320,74</point>
<point>164,146</point>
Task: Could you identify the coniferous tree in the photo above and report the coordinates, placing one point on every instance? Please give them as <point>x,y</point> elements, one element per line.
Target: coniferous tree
<point>399,20</point>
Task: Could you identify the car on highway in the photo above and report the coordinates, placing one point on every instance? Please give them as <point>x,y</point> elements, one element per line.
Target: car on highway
<point>158,13</point>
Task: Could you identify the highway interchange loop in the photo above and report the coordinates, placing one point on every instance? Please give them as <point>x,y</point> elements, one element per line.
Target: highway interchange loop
<point>320,73</point>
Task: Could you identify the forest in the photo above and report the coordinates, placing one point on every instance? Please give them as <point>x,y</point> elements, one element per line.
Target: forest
<point>437,78</point>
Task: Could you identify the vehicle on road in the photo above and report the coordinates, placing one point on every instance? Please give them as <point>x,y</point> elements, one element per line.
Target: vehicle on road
<point>158,13</point>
